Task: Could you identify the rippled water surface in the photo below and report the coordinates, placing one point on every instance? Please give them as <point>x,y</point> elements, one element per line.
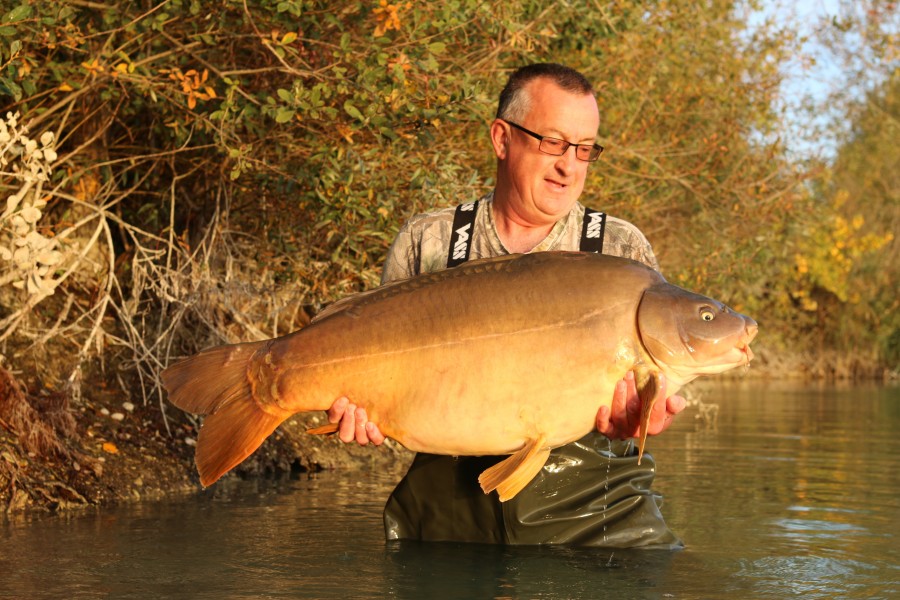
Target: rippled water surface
<point>792,493</point>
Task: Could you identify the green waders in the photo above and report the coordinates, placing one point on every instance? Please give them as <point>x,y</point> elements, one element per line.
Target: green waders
<point>586,495</point>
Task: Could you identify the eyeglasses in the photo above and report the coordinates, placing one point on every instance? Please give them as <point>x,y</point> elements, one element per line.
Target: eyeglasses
<point>557,147</point>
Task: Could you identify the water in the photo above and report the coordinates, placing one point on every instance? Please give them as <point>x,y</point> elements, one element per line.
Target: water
<point>792,494</point>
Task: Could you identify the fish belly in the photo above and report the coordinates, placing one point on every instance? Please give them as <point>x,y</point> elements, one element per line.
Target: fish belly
<point>485,396</point>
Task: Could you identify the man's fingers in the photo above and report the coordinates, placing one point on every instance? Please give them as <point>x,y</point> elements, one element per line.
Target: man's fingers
<point>375,435</point>
<point>347,429</point>
<point>675,404</point>
<point>658,413</point>
<point>629,410</point>
<point>603,424</point>
<point>337,409</point>
<point>657,417</point>
<point>613,420</point>
<point>361,419</point>
<point>633,407</point>
<point>353,423</point>
<point>620,397</point>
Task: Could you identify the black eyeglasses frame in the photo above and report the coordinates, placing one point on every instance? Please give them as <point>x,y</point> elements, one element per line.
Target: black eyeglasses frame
<point>595,149</point>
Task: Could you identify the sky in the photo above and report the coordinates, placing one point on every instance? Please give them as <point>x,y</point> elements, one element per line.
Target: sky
<point>816,76</point>
<point>810,77</point>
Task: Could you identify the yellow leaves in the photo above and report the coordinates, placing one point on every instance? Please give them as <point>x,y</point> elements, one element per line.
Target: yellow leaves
<point>110,448</point>
<point>831,254</point>
<point>25,67</point>
<point>395,99</point>
<point>846,238</point>
<point>122,68</point>
<point>193,85</point>
<point>388,16</point>
<point>87,186</point>
<point>806,303</point>
<point>346,133</point>
<point>401,62</point>
<point>283,40</point>
<point>94,67</point>
<point>840,198</point>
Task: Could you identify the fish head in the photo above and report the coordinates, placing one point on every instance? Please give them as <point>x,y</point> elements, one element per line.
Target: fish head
<point>688,334</point>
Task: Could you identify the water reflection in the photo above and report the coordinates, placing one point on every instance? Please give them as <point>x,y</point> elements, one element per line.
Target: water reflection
<point>792,493</point>
<point>799,481</point>
<point>472,571</point>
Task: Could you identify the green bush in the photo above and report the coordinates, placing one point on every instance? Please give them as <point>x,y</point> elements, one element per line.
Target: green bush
<point>222,172</point>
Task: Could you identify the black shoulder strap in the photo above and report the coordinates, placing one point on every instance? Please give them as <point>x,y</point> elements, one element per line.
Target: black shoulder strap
<point>592,231</point>
<point>461,235</point>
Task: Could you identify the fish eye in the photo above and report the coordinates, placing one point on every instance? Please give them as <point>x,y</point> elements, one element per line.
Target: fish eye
<point>707,314</point>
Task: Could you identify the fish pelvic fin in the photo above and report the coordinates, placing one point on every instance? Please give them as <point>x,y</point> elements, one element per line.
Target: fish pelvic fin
<point>324,429</point>
<point>648,390</point>
<point>512,474</point>
<point>215,383</point>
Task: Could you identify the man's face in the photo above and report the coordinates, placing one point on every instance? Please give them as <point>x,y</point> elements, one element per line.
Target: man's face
<point>540,188</point>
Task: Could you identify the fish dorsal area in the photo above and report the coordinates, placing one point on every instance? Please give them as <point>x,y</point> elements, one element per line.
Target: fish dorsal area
<point>352,304</point>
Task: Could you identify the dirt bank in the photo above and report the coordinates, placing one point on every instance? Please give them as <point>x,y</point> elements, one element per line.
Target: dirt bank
<point>57,454</point>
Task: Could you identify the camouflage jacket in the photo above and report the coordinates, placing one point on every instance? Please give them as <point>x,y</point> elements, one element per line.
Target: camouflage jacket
<point>422,244</point>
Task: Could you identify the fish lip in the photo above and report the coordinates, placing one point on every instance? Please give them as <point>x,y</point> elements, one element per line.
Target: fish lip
<point>744,344</point>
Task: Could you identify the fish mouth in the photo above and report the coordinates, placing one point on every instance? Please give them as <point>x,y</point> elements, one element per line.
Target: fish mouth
<point>746,352</point>
<point>743,345</point>
<point>737,356</point>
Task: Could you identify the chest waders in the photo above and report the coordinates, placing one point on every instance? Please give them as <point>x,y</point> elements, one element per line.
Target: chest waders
<point>590,493</point>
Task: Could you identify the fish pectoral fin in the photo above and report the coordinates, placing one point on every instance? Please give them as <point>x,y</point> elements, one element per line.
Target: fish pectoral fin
<point>509,476</point>
<point>648,392</point>
<point>324,429</point>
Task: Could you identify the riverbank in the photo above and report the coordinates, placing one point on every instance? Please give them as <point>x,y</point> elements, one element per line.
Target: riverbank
<point>59,454</point>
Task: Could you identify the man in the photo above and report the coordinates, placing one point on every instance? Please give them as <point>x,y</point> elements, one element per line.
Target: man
<point>591,492</point>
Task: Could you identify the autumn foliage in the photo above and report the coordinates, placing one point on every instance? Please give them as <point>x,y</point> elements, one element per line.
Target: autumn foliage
<point>184,176</point>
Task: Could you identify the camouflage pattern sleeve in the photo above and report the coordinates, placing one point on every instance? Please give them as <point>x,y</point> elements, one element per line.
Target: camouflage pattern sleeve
<point>421,246</point>
<point>624,239</point>
<point>400,262</point>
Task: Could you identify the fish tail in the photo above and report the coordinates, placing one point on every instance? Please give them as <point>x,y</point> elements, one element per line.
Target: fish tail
<point>215,383</point>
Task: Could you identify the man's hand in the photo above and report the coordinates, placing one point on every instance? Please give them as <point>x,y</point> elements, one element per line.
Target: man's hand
<point>354,423</point>
<point>622,420</point>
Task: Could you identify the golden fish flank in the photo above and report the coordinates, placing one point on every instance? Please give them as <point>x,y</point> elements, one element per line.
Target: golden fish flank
<point>511,355</point>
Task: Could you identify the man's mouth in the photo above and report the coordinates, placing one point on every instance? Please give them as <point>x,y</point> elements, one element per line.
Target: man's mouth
<point>556,185</point>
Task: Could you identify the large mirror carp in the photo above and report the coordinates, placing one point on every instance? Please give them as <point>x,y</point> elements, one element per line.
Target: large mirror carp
<point>511,355</point>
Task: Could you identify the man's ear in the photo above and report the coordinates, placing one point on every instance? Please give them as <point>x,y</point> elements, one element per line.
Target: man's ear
<point>500,138</point>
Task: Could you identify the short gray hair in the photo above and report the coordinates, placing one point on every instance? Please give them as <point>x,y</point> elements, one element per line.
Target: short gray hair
<point>515,102</point>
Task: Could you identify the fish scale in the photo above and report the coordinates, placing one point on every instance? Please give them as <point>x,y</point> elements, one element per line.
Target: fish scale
<point>511,355</point>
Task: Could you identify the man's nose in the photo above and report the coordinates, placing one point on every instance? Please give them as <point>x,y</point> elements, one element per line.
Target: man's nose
<point>567,162</point>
